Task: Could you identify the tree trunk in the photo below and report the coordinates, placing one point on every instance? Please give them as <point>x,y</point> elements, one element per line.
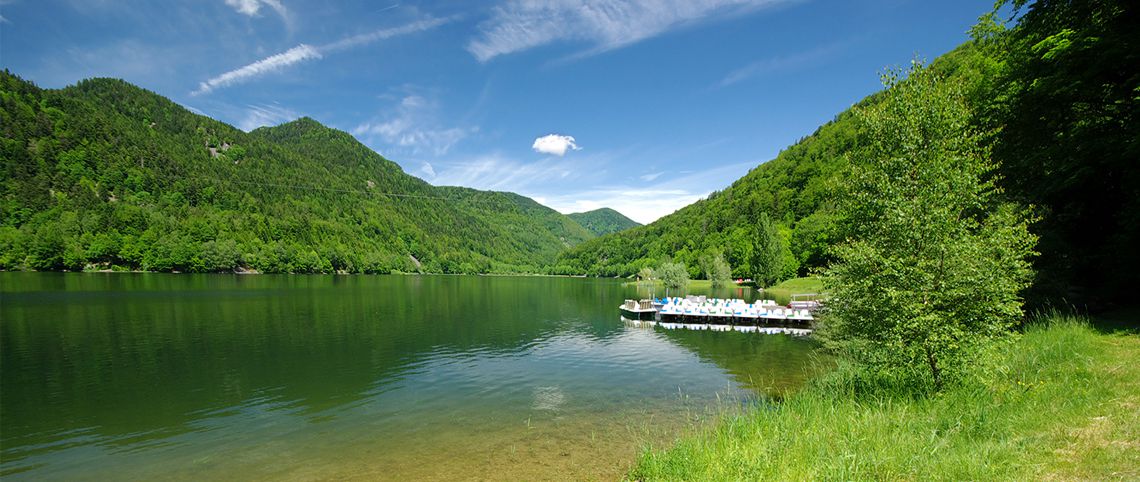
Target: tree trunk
<point>934,371</point>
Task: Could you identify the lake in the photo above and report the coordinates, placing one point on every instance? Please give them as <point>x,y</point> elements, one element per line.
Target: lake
<point>177,376</point>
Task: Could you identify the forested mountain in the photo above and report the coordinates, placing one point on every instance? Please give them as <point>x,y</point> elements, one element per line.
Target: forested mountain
<point>603,221</point>
<point>792,191</point>
<point>1053,94</point>
<point>104,174</point>
<point>779,216</point>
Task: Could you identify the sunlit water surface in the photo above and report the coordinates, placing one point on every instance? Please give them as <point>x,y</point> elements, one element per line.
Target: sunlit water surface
<point>143,376</point>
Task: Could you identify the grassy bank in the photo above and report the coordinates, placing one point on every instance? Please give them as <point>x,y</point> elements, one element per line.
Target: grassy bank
<point>1063,403</point>
<point>785,289</point>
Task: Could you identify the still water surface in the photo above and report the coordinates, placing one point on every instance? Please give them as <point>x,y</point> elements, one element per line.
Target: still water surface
<point>142,376</point>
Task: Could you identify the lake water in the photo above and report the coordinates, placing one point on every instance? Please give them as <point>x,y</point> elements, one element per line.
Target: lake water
<point>144,376</point>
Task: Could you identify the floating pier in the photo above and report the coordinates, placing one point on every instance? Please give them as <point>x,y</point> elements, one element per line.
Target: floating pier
<point>702,313</point>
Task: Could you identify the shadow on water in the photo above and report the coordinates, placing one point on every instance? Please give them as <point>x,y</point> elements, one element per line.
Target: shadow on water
<point>770,365</point>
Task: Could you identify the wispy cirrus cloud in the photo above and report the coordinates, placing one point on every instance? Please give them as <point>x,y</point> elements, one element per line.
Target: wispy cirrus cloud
<point>606,24</point>
<point>646,203</point>
<point>413,127</point>
<point>303,53</point>
<point>642,204</point>
<point>500,173</point>
<point>771,65</point>
<point>265,115</point>
<point>270,64</point>
<point>560,182</point>
<point>386,33</point>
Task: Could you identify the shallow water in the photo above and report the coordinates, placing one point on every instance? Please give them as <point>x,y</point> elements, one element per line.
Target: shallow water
<point>308,377</point>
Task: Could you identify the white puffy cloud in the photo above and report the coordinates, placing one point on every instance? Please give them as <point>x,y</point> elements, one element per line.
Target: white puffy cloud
<point>607,24</point>
<point>427,169</point>
<point>554,144</point>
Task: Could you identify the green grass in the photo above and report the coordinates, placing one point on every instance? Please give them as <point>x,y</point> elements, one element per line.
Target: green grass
<point>783,291</point>
<point>1062,403</point>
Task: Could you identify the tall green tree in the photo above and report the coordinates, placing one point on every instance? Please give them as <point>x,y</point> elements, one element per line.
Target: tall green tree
<point>767,252</point>
<point>933,263</point>
<point>646,274</point>
<point>716,269</point>
<point>673,275</point>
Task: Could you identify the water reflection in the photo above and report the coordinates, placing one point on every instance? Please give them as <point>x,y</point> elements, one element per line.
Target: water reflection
<point>176,375</point>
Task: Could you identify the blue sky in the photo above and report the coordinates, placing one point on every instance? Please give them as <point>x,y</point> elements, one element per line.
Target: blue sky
<point>640,105</point>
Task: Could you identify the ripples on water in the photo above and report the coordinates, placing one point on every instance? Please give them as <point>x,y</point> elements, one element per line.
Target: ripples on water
<point>187,376</point>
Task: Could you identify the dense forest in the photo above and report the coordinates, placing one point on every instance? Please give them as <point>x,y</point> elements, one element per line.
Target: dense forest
<point>603,221</point>
<point>1053,92</point>
<point>105,175</point>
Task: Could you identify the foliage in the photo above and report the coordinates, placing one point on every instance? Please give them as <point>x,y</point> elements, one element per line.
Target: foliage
<point>1067,103</point>
<point>782,292</point>
<point>673,275</point>
<point>104,175</point>
<point>766,252</point>
<point>1062,388</point>
<point>647,273</point>
<point>933,263</point>
<point>716,270</point>
<point>603,221</point>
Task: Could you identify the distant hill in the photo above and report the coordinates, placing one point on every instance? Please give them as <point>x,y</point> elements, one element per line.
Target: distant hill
<point>106,175</point>
<point>603,221</point>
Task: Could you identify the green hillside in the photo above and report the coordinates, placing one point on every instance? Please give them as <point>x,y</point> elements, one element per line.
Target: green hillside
<point>794,192</point>
<point>1053,94</point>
<point>603,221</point>
<point>105,175</point>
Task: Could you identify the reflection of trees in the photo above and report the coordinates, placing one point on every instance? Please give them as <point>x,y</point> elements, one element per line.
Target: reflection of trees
<point>768,364</point>
<point>130,354</point>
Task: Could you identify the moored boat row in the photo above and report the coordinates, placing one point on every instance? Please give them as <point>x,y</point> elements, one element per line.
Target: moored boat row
<point>733,311</point>
<point>703,313</point>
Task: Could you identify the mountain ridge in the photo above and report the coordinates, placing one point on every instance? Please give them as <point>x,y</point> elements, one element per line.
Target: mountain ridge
<point>107,175</point>
<point>603,221</point>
